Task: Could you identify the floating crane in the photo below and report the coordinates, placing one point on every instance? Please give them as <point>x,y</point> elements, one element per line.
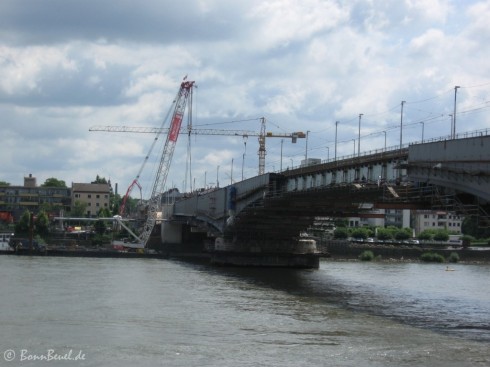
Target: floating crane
<point>166,159</point>
<point>173,131</point>
<point>262,135</point>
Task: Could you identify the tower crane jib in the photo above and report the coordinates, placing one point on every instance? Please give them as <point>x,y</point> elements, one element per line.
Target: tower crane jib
<point>262,135</point>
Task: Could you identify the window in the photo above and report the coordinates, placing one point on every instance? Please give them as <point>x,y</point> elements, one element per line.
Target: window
<point>97,196</point>
<point>89,196</point>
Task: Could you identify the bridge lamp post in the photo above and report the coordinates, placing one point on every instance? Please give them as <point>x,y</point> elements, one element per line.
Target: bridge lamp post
<point>282,141</point>
<point>423,126</point>
<point>454,116</point>
<point>306,149</point>
<point>385,138</point>
<point>336,125</point>
<point>244,151</point>
<point>401,127</point>
<point>231,173</point>
<point>359,137</point>
<point>354,141</point>
<point>217,174</point>
<point>291,162</point>
<point>328,153</point>
<point>451,117</point>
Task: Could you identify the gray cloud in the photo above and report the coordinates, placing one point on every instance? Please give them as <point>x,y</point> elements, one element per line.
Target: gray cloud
<point>152,21</point>
<point>69,65</point>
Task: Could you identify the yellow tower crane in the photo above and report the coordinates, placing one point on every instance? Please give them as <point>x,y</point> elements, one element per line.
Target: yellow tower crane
<point>262,135</point>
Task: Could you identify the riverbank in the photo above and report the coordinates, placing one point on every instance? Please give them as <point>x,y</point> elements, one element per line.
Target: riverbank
<point>345,250</point>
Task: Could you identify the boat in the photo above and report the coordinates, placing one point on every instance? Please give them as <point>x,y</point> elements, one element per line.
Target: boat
<point>300,254</point>
<point>5,242</point>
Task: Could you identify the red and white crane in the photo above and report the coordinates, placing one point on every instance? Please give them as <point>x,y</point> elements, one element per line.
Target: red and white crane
<point>166,158</point>
<point>161,174</point>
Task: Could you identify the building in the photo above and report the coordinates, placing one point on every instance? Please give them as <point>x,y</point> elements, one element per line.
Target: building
<point>95,195</point>
<point>15,200</point>
<point>397,217</point>
<point>418,220</point>
<point>429,219</point>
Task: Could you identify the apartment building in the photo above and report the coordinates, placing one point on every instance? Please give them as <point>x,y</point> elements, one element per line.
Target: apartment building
<point>95,195</point>
<point>15,200</point>
<point>428,219</point>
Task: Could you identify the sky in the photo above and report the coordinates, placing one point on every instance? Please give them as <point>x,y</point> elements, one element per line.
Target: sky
<point>67,66</point>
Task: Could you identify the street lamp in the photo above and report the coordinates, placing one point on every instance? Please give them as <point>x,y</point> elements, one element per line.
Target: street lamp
<point>282,141</point>
<point>244,151</point>
<point>328,153</point>
<point>354,141</point>
<point>231,173</point>
<point>451,117</point>
<point>385,138</point>
<point>359,137</point>
<point>454,116</point>
<point>423,125</point>
<point>401,127</point>
<point>217,174</point>
<point>306,150</point>
<point>336,124</point>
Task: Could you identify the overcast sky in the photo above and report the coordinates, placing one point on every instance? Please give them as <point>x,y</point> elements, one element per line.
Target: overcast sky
<point>68,65</point>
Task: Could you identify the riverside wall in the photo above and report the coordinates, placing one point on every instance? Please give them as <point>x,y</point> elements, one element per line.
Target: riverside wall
<point>349,250</point>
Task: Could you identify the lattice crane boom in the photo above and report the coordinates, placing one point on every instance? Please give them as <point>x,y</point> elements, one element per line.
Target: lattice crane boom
<point>166,159</point>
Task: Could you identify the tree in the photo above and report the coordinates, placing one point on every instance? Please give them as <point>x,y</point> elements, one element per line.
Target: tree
<point>4,183</point>
<point>54,182</point>
<point>425,235</point>
<point>99,180</point>
<point>341,233</point>
<point>100,227</point>
<point>471,227</point>
<point>79,209</point>
<point>42,223</point>
<point>104,213</point>
<point>403,234</point>
<point>22,225</point>
<point>115,203</point>
<point>384,234</point>
<point>360,233</point>
<point>441,235</point>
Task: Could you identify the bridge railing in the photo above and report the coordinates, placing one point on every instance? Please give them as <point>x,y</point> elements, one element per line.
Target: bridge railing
<point>463,135</point>
<point>394,148</point>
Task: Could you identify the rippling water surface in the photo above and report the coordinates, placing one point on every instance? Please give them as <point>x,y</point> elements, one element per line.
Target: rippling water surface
<point>135,312</point>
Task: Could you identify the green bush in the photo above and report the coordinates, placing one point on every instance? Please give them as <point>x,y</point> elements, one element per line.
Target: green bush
<point>366,256</point>
<point>432,257</point>
<point>101,239</point>
<point>341,233</point>
<point>453,257</point>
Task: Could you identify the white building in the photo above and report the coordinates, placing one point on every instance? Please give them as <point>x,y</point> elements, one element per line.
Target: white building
<point>428,219</point>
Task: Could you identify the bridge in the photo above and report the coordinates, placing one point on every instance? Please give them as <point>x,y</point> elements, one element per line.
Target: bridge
<point>450,174</point>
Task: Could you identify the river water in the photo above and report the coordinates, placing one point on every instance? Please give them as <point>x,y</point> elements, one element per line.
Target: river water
<point>141,312</point>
